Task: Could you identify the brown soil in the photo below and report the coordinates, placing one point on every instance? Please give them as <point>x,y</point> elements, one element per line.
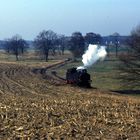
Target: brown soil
<point>36,106</point>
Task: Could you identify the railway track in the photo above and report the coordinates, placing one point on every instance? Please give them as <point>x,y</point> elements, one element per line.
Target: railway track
<point>19,79</point>
<point>50,73</point>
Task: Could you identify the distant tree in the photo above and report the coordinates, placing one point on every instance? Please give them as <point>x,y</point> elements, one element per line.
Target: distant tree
<point>77,44</point>
<point>115,34</point>
<point>131,62</point>
<point>7,45</point>
<point>56,45</point>
<point>16,45</point>
<point>116,42</point>
<point>61,42</point>
<point>92,38</point>
<point>44,42</point>
<point>108,48</point>
<point>98,39</point>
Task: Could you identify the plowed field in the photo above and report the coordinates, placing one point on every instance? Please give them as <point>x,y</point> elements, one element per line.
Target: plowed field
<point>41,106</point>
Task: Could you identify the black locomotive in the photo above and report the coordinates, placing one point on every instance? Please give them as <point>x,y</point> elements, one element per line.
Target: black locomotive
<point>78,77</point>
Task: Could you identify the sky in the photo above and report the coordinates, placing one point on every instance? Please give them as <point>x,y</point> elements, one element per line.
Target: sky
<point>29,17</point>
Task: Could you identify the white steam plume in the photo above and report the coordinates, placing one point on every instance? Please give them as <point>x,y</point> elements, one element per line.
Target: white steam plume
<point>93,54</point>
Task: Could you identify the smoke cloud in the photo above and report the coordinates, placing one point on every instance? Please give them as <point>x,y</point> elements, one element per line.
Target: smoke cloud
<point>93,54</point>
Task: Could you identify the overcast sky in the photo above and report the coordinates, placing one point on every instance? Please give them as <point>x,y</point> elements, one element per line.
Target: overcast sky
<point>29,17</point>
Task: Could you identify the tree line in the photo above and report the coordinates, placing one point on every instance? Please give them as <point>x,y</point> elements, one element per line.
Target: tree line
<point>48,42</point>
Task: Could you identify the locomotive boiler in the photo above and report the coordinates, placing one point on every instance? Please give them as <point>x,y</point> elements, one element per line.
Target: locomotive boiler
<point>78,77</point>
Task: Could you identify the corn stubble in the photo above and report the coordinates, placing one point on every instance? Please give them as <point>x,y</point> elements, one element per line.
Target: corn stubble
<point>33,108</point>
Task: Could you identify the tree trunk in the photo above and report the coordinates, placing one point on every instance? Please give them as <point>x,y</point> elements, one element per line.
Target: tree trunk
<point>17,57</point>
<point>116,50</point>
<point>46,57</point>
<point>108,51</point>
<point>63,49</point>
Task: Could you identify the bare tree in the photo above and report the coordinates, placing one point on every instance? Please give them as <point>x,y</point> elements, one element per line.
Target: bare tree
<point>92,38</point>
<point>77,44</point>
<point>116,42</point>
<point>16,45</point>
<point>44,42</point>
<point>131,62</point>
<point>61,43</point>
<point>7,45</point>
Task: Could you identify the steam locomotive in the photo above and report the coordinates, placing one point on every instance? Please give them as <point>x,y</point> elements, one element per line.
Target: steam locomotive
<point>78,77</point>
